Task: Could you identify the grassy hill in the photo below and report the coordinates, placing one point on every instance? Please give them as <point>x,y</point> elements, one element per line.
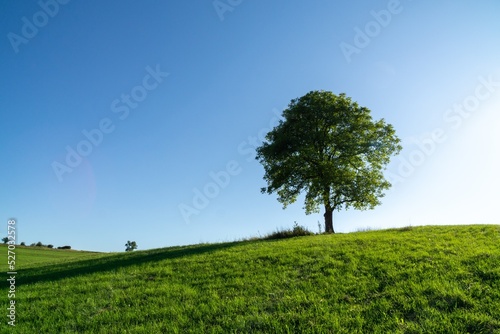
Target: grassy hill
<point>438,279</point>
<point>28,257</point>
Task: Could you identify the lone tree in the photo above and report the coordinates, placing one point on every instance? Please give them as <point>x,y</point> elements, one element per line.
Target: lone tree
<point>131,245</point>
<point>331,148</point>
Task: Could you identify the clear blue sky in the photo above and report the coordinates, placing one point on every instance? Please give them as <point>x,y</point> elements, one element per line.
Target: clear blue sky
<point>172,93</point>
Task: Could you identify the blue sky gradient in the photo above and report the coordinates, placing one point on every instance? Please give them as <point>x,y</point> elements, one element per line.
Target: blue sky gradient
<point>175,95</point>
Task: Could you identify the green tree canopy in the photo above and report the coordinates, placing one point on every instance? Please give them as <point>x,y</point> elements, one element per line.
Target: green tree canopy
<point>331,148</point>
<point>130,246</point>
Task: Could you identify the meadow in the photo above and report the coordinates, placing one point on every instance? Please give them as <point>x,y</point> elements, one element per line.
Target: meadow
<point>430,279</point>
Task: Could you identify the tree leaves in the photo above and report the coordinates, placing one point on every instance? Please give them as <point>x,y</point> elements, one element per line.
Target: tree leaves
<point>331,148</point>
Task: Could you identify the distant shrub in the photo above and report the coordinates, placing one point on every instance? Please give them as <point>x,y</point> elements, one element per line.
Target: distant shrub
<point>39,244</point>
<point>401,229</point>
<point>23,244</point>
<point>296,231</point>
<point>33,245</point>
<point>50,246</point>
<point>64,247</point>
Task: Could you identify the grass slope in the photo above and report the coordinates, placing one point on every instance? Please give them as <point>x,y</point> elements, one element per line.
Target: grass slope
<point>27,257</point>
<point>440,279</point>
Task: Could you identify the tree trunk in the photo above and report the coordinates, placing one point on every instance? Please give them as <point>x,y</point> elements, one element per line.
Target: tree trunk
<point>328,219</point>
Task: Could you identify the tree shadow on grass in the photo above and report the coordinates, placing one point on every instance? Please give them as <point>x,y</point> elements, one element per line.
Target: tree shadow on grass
<point>55,272</point>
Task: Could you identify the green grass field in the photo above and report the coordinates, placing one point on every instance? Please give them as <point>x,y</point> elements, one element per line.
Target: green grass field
<point>28,257</point>
<point>437,279</point>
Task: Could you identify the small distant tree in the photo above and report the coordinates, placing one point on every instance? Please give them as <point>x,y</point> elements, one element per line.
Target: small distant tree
<point>130,246</point>
<point>50,246</point>
<point>5,240</point>
<point>23,243</point>
<point>39,244</point>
